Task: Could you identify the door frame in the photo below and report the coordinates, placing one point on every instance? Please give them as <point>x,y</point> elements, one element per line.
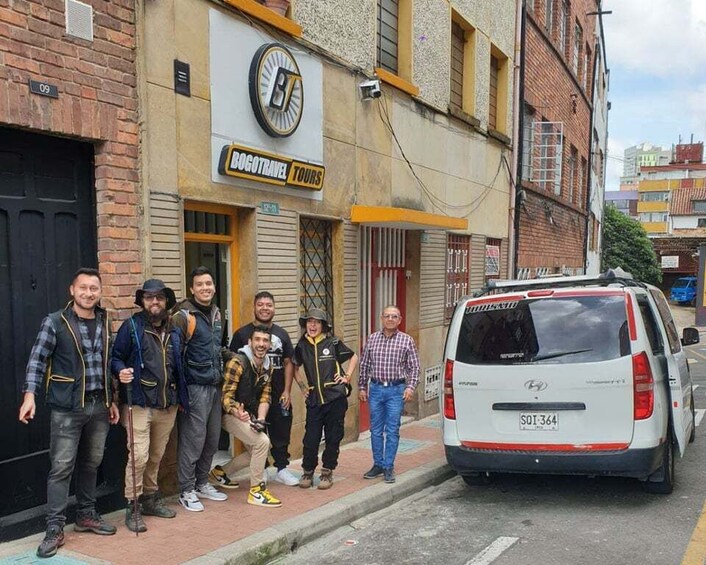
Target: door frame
<point>231,240</point>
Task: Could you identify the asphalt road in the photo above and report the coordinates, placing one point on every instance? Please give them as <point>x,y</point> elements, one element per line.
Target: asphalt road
<point>543,520</point>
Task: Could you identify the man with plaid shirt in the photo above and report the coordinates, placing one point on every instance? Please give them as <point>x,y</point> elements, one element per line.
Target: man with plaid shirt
<point>71,352</point>
<point>388,375</point>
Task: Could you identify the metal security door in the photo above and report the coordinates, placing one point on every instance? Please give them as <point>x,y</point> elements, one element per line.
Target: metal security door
<point>47,231</point>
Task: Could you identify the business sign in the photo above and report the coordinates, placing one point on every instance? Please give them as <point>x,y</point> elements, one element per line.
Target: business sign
<point>276,90</point>
<point>492,260</point>
<point>670,261</point>
<point>252,164</point>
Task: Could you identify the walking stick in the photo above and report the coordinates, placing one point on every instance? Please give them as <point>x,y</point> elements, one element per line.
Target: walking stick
<point>131,432</point>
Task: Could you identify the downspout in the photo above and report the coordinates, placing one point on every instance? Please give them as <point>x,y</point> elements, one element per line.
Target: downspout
<point>589,176</point>
<point>518,126</point>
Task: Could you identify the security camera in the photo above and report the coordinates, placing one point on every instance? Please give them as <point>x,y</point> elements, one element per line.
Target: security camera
<point>370,89</point>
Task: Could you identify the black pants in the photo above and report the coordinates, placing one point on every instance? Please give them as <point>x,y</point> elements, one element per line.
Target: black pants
<point>279,430</point>
<point>328,418</point>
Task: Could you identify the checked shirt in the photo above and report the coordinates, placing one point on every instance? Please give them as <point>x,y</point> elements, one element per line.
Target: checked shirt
<point>389,359</point>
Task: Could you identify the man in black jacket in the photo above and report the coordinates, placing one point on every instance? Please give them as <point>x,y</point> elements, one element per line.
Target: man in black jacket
<point>147,358</point>
<point>71,351</point>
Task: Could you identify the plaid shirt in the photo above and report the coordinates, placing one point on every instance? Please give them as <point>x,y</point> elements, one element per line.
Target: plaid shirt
<point>388,359</point>
<point>232,373</point>
<point>45,344</point>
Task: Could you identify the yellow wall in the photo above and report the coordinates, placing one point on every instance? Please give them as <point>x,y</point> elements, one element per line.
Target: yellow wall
<point>656,185</point>
<point>655,227</point>
<point>660,206</point>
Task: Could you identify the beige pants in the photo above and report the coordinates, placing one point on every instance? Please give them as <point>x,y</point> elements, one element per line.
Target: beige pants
<point>152,428</point>
<point>257,446</point>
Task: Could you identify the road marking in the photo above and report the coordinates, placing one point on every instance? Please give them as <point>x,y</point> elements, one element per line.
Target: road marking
<point>699,415</point>
<point>694,387</point>
<point>696,550</point>
<point>493,551</point>
<point>700,355</point>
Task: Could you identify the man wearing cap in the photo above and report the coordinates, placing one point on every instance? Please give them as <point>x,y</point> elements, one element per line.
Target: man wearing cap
<point>389,373</point>
<point>147,358</point>
<point>326,389</point>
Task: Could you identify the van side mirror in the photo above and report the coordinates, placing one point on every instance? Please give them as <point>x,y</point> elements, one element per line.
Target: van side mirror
<point>690,336</point>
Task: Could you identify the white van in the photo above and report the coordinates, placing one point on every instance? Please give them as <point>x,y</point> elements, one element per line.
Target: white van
<point>573,375</point>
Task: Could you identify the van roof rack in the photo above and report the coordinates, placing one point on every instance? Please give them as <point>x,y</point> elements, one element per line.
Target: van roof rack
<point>611,276</point>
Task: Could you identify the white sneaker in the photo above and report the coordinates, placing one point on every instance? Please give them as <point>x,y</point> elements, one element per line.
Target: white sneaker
<point>208,491</point>
<point>190,501</point>
<point>286,477</point>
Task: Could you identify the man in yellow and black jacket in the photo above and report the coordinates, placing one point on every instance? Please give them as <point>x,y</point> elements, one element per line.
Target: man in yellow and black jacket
<point>326,390</point>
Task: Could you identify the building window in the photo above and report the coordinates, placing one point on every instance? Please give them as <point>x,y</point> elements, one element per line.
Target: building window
<point>206,223</point>
<point>387,37</point>
<point>549,15</point>
<point>701,223</point>
<point>649,217</point>
<point>587,68</point>
<point>583,176</point>
<point>573,170</point>
<point>497,91</point>
<point>492,258</point>
<point>493,96</point>
<point>564,28</point>
<point>458,250</point>
<point>548,164</point>
<point>698,205</point>
<point>578,42</point>
<point>458,41</point>
<point>528,121</point>
<point>656,196</point>
<point>315,263</point>
<point>463,72</point>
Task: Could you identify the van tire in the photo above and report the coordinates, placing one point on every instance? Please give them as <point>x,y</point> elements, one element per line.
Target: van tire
<point>665,484</point>
<point>477,479</point>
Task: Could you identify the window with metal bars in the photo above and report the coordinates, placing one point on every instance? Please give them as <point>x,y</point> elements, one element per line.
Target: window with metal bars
<point>315,263</point>
<point>387,40</point>
<point>458,250</point>
<point>493,93</point>
<point>206,222</point>
<point>458,44</point>
<point>492,258</point>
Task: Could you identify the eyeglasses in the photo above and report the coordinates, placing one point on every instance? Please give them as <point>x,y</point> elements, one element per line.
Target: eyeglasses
<point>391,316</point>
<point>150,298</point>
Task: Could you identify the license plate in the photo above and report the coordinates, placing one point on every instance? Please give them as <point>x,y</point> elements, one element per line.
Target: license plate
<point>539,421</point>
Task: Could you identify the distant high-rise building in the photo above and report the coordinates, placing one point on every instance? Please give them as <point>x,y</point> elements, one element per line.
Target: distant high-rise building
<point>642,155</point>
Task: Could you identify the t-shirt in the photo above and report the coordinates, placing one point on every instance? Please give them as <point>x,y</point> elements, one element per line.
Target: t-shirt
<point>280,349</point>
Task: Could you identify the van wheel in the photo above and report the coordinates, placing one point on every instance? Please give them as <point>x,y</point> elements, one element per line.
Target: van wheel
<point>662,480</point>
<point>692,435</point>
<point>477,479</point>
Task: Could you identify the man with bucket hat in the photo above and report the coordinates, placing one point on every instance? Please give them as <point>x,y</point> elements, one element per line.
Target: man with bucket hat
<point>147,361</point>
<point>326,391</point>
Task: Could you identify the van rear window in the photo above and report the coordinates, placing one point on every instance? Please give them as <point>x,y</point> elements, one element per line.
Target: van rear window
<point>582,329</point>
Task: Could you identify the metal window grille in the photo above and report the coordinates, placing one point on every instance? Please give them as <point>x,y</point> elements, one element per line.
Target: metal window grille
<point>458,251</point>
<point>206,222</point>
<point>527,141</point>
<point>547,149</point>
<point>387,24</point>
<point>432,382</point>
<point>315,262</point>
<point>524,273</point>
<point>493,93</point>
<point>458,41</point>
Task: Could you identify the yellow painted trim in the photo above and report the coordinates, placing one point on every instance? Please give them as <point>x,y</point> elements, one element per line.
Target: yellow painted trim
<point>659,185</point>
<point>655,227</point>
<point>404,40</point>
<point>385,215</point>
<point>503,89</point>
<point>695,553</point>
<point>207,238</point>
<point>396,81</point>
<point>262,13</point>
<point>654,206</point>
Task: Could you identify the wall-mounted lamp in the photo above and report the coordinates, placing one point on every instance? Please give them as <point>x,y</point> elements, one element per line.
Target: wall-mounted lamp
<point>574,98</point>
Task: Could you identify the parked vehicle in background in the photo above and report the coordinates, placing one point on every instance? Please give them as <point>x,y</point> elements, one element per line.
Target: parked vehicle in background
<point>683,290</point>
<point>575,375</point>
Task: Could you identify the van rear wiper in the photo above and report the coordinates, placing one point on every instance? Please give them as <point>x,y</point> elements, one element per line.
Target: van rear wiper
<point>559,354</point>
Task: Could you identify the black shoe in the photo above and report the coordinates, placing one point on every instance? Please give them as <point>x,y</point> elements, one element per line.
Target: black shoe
<point>375,471</point>
<point>133,520</point>
<point>153,505</point>
<point>93,522</point>
<point>52,541</point>
<point>389,475</point>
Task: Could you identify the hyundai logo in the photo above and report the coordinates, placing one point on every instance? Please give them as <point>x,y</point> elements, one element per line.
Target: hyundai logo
<point>536,386</point>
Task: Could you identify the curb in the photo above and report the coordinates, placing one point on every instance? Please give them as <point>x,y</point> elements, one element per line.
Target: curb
<point>289,535</point>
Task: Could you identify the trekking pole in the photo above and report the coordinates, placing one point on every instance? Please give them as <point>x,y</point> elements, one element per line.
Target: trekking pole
<point>131,432</point>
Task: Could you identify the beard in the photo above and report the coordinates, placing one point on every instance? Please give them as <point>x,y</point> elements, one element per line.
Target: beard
<point>157,319</point>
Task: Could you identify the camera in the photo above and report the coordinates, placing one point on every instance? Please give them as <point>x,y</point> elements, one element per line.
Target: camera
<point>370,89</point>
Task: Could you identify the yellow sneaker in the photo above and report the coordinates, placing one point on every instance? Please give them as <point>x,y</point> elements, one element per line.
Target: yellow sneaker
<point>260,496</point>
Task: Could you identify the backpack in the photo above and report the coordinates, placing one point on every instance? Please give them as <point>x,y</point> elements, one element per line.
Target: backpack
<point>190,324</point>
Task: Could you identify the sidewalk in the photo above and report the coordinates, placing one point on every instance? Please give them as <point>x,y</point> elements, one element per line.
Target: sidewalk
<point>236,532</point>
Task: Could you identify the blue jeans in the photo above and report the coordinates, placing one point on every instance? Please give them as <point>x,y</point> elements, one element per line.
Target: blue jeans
<point>76,439</point>
<point>386,404</point>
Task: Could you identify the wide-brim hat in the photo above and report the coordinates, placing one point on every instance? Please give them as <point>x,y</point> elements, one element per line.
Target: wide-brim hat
<point>317,314</point>
<point>153,286</point>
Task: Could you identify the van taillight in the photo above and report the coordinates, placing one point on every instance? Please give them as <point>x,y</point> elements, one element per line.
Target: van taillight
<point>449,405</point>
<point>643,386</point>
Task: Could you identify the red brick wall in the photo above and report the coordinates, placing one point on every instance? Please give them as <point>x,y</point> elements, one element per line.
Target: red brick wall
<point>557,95</point>
<point>97,102</point>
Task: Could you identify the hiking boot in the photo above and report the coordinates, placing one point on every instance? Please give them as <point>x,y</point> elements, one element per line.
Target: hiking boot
<point>286,477</point>
<point>325,479</point>
<point>133,520</point>
<point>153,505</point>
<point>260,496</point>
<point>208,491</point>
<point>190,501</point>
<point>374,472</point>
<point>307,479</point>
<point>219,478</point>
<point>389,475</point>
<point>93,522</point>
<point>52,541</point>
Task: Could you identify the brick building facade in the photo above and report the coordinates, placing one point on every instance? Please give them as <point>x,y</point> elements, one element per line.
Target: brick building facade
<point>69,197</point>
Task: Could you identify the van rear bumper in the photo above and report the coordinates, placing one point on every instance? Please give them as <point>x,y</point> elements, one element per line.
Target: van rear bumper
<point>637,463</point>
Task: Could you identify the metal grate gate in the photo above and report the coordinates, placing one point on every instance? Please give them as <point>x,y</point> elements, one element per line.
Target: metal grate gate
<point>315,258</point>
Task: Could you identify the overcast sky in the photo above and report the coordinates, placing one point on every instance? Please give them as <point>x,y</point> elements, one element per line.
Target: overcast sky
<point>656,51</point>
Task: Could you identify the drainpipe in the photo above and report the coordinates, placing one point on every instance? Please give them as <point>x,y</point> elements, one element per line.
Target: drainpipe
<point>518,127</point>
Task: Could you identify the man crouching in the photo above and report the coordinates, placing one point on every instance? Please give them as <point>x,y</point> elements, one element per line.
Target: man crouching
<point>246,400</point>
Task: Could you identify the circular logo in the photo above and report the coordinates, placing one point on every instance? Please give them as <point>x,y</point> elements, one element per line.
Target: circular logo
<point>326,351</point>
<point>276,90</point>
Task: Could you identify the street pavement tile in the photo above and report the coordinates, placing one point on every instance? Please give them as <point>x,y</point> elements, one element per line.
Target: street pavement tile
<point>30,558</point>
